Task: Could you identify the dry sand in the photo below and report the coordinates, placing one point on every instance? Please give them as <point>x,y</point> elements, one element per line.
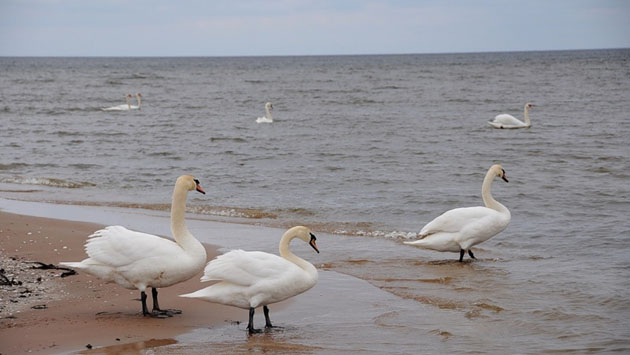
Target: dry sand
<point>41,312</point>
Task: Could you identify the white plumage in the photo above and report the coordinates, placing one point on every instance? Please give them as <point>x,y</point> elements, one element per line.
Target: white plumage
<point>267,118</point>
<point>136,260</point>
<point>459,229</point>
<point>507,121</point>
<point>125,107</point>
<point>250,279</point>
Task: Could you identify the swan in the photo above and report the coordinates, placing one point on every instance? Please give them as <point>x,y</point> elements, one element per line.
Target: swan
<point>508,121</point>
<point>139,99</point>
<point>267,118</point>
<point>459,229</point>
<point>137,260</point>
<point>125,107</point>
<point>250,279</point>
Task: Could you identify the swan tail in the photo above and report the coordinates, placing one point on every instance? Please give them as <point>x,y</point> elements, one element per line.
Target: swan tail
<point>209,278</point>
<point>74,264</point>
<point>203,294</point>
<point>415,243</point>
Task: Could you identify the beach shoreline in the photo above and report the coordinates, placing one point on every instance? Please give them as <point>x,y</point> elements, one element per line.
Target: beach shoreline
<point>43,312</point>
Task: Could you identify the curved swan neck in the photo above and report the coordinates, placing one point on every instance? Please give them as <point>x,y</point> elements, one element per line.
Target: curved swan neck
<point>178,215</point>
<point>526,115</point>
<point>486,194</point>
<point>286,253</point>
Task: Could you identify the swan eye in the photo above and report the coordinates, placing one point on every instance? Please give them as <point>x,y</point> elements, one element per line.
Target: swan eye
<point>313,236</point>
<point>196,181</point>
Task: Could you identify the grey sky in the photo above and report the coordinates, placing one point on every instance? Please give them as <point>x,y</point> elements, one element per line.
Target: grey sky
<point>303,27</point>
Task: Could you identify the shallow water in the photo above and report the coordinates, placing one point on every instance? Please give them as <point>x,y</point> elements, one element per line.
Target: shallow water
<point>372,147</point>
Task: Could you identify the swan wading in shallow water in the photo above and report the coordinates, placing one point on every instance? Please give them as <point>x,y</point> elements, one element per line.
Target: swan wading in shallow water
<point>267,118</point>
<point>125,107</point>
<point>250,279</point>
<point>508,121</point>
<point>459,229</point>
<point>137,260</point>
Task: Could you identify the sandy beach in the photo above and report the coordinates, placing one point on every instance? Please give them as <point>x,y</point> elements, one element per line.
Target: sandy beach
<point>41,312</point>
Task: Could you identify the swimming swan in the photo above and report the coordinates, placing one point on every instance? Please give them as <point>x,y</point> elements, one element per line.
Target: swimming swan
<point>459,229</point>
<point>508,121</point>
<point>250,279</point>
<point>125,107</point>
<point>137,260</point>
<point>267,118</point>
<point>139,99</point>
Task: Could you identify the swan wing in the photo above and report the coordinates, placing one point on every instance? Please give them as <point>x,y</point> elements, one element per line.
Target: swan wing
<point>248,267</point>
<point>455,220</point>
<point>116,108</point>
<point>118,246</point>
<point>507,120</point>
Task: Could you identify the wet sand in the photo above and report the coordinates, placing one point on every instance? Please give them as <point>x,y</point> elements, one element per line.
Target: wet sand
<point>42,312</point>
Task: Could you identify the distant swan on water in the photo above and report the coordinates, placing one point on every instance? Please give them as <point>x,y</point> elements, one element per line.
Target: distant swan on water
<point>267,118</point>
<point>139,99</point>
<point>250,279</point>
<point>136,260</point>
<point>125,107</point>
<point>506,121</point>
<point>459,229</point>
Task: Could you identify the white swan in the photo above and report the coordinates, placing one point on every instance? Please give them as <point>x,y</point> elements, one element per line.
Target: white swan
<point>459,229</point>
<point>139,99</point>
<point>252,279</point>
<point>137,260</point>
<point>267,118</point>
<point>508,121</point>
<point>125,107</point>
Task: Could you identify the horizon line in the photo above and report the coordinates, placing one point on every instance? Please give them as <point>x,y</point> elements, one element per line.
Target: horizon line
<point>313,55</point>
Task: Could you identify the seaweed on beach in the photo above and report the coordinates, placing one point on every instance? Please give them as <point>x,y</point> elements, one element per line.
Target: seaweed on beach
<point>44,266</point>
<point>4,280</point>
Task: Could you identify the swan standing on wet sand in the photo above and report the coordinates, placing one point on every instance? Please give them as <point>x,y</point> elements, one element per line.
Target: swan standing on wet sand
<point>267,118</point>
<point>506,121</point>
<point>125,107</point>
<point>137,260</point>
<point>250,279</point>
<point>459,229</point>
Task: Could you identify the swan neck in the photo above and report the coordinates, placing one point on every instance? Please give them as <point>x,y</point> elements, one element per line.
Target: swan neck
<point>526,115</point>
<point>286,253</point>
<point>178,215</point>
<point>139,101</point>
<point>268,113</point>
<point>486,194</point>
<point>128,103</point>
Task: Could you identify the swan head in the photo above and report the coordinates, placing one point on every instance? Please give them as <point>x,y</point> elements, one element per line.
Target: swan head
<point>269,106</point>
<point>190,182</point>
<point>129,96</point>
<point>138,95</point>
<point>497,171</point>
<point>305,234</point>
<point>528,105</point>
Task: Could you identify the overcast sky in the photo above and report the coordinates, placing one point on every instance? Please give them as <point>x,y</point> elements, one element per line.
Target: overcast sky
<point>306,27</point>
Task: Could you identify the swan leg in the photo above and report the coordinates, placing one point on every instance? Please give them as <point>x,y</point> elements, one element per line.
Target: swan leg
<point>250,325</point>
<point>471,254</point>
<point>267,320</point>
<point>156,305</point>
<point>461,255</point>
<point>268,324</point>
<point>143,298</point>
